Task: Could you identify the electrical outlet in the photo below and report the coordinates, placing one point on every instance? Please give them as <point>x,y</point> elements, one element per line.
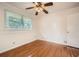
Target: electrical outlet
<point>13,42</point>
<point>67,32</point>
<point>65,42</point>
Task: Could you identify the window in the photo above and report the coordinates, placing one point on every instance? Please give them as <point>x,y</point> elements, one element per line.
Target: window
<point>17,22</point>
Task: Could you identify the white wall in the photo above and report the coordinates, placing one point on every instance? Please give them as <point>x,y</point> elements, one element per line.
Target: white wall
<point>11,39</point>
<point>73,29</point>
<point>53,27</point>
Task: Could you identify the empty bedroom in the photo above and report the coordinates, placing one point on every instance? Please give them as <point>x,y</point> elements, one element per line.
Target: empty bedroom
<point>39,29</point>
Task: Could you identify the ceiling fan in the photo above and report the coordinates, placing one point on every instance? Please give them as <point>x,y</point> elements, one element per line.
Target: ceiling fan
<point>38,6</point>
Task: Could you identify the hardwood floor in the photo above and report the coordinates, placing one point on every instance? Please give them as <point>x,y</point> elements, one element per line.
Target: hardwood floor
<point>41,48</point>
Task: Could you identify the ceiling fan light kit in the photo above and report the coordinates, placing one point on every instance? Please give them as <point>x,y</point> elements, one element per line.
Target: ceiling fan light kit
<point>38,9</point>
<point>38,6</point>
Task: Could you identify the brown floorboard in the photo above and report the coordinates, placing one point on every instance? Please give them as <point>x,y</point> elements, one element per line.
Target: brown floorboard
<point>41,48</point>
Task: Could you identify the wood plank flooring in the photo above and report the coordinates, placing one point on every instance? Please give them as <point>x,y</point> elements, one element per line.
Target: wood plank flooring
<point>41,48</point>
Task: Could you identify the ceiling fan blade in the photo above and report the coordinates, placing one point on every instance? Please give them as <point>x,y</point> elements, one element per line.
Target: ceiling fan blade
<point>39,3</point>
<point>48,4</point>
<point>35,3</point>
<point>36,13</point>
<point>45,11</point>
<point>30,8</point>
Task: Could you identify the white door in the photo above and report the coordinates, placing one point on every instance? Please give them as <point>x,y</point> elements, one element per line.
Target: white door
<point>73,30</point>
